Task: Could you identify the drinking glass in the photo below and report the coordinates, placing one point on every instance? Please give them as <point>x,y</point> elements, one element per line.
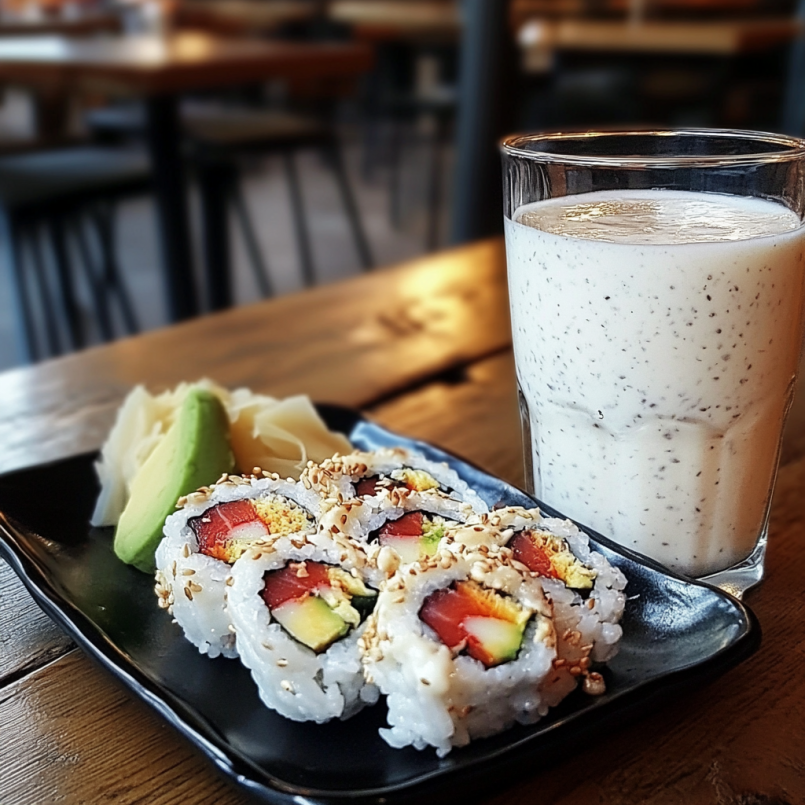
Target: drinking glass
<point>656,282</point>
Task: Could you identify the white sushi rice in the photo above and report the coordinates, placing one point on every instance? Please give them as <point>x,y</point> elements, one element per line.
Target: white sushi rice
<point>435,699</point>
<point>292,679</point>
<point>339,475</point>
<point>194,584</point>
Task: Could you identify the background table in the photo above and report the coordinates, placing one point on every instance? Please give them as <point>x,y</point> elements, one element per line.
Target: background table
<point>425,349</point>
<point>158,69</point>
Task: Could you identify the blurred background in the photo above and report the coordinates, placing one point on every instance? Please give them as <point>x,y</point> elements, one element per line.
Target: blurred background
<point>320,174</point>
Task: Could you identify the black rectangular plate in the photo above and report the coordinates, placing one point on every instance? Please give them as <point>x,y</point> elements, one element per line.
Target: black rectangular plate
<point>677,634</point>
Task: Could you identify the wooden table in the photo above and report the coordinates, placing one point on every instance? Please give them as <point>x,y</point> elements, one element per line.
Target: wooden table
<point>425,349</point>
<point>159,69</point>
<point>704,38</point>
<point>399,21</point>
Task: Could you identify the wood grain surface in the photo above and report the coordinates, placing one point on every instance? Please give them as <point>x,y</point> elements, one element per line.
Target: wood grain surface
<point>167,64</point>
<point>708,38</point>
<point>365,340</point>
<point>425,350</point>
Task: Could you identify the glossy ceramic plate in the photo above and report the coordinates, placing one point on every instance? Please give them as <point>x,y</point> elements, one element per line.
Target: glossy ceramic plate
<point>677,634</point>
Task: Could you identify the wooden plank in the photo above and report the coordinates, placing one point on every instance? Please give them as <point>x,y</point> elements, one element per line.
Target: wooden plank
<point>71,735</point>
<point>28,638</point>
<point>735,741</point>
<point>364,339</point>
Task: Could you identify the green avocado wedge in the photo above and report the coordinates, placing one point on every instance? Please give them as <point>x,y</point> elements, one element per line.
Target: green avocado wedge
<point>194,452</point>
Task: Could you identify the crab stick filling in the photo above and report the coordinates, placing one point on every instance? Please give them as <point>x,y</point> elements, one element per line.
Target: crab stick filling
<point>225,531</point>
<point>470,618</point>
<point>550,556</point>
<point>315,603</point>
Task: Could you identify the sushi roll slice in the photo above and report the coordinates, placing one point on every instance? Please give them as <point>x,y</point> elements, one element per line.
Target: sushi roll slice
<point>210,531</point>
<point>585,590</point>
<point>363,475</point>
<point>461,643</point>
<point>299,610</point>
<point>413,524</point>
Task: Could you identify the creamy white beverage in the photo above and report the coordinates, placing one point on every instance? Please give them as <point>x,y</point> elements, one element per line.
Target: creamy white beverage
<point>657,336</point>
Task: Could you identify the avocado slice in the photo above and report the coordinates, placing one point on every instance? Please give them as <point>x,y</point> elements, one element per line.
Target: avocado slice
<point>311,621</point>
<point>494,641</point>
<point>194,452</point>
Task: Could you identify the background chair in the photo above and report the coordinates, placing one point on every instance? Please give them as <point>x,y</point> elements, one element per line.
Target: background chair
<point>57,217</point>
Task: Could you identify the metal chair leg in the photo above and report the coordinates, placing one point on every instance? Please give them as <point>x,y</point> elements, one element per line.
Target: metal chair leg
<point>23,318</point>
<point>435,184</point>
<point>65,283</point>
<point>50,314</point>
<point>300,225</point>
<point>96,285</point>
<point>104,219</point>
<point>256,257</point>
<point>395,159</point>
<point>362,246</point>
<point>214,178</point>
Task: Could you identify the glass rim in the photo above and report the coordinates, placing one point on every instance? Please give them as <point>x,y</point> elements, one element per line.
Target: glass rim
<point>790,148</point>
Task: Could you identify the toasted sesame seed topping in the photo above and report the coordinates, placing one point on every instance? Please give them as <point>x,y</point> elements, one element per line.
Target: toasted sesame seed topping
<point>188,571</point>
<point>594,684</point>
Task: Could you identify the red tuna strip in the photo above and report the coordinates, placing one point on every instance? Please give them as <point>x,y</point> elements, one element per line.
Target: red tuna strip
<point>214,527</point>
<point>409,525</point>
<point>287,585</point>
<point>444,611</point>
<point>526,550</point>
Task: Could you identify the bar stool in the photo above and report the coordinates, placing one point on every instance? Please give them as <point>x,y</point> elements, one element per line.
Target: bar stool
<point>65,198</point>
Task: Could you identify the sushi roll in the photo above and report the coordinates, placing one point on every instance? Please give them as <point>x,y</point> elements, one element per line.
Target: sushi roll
<point>213,527</point>
<point>585,590</point>
<point>362,475</point>
<point>299,609</point>
<point>461,643</point>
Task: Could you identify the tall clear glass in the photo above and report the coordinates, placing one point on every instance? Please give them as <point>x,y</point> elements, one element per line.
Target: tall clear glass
<point>657,282</point>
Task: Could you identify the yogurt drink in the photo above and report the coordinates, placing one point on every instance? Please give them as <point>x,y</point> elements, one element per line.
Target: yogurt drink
<point>657,336</point>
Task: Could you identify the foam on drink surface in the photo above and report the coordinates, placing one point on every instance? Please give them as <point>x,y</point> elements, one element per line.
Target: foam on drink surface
<point>660,217</point>
<point>657,336</point>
